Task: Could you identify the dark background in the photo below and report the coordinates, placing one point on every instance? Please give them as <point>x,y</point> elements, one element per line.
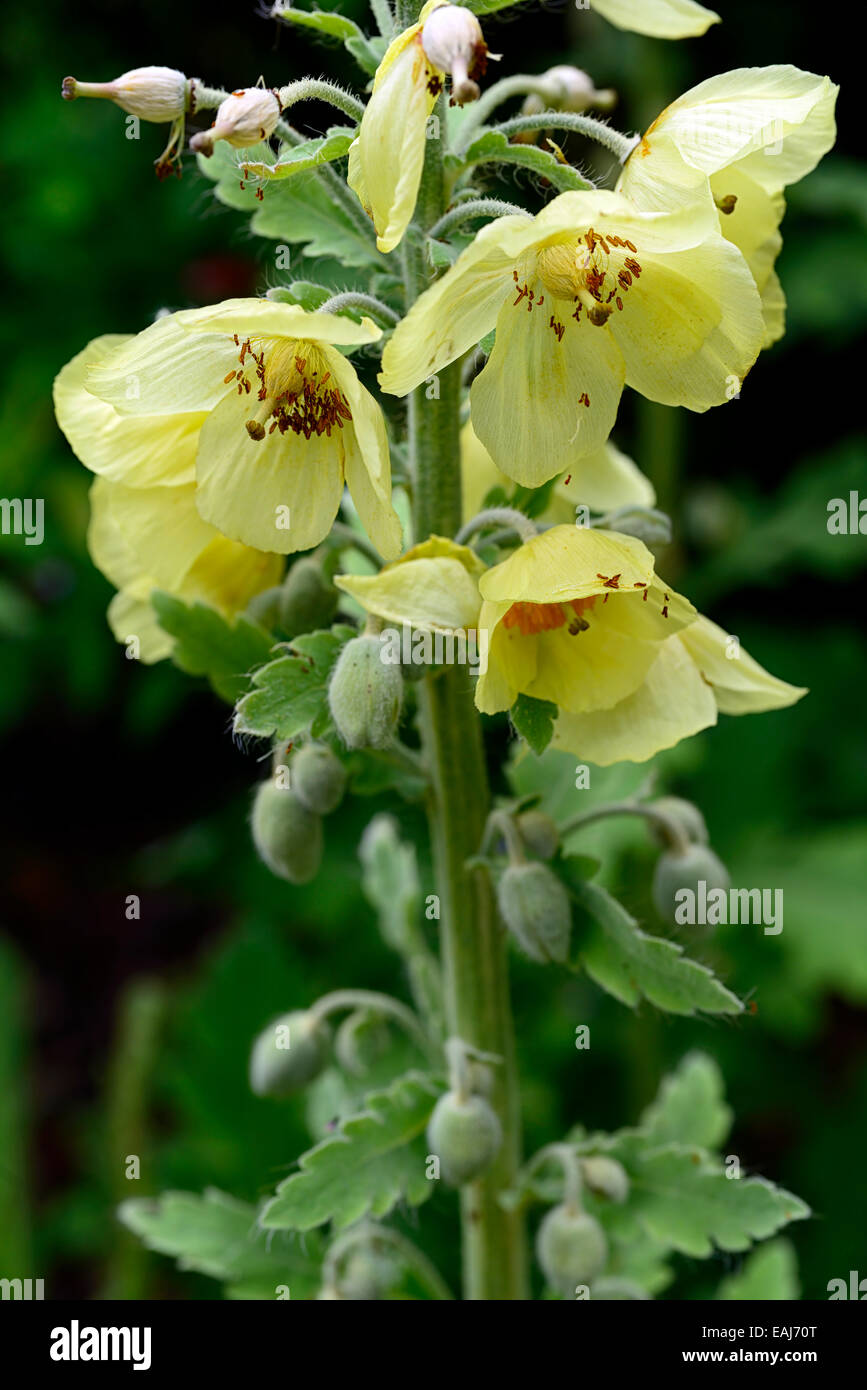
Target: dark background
<point>122,1036</point>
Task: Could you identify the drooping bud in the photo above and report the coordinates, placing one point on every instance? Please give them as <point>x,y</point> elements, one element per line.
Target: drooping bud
<point>452,40</point>
<point>571,1249</point>
<point>465,1135</point>
<point>152,94</point>
<point>535,907</point>
<point>365,694</point>
<point>309,599</point>
<point>264,607</point>
<point>685,816</point>
<point>362,1040</point>
<point>569,89</point>
<point>318,778</point>
<point>539,834</point>
<point>675,873</point>
<point>367,1275</point>
<point>289,1053</point>
<point>244,118</point>
<point>606,1176</point>
<point>287,836</point>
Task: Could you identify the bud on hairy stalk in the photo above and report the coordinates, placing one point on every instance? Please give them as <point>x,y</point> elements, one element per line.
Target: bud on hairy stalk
<point>318,778</point>
<point>452,40</point>
<point>606,1176</point>
<point>288,1054</point>
<point>539,834</point>
<point>365,694</point>
<point>571,1248</point>
<point>244,118</point>
<point>686,816</point>
<point>362,1040</point>
<point>535,907</point>
<point>367,1275</point>
<point>152,94</point>
<point>308,598</point>
<point>287,836</point>
<point>569,89</point>
<point>465,1134</point>
<point>676,872</point>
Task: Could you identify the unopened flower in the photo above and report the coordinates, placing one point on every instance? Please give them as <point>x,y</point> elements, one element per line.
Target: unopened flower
<point>569,89</point>
<point>590,294</point>
<point>738,140</point>
<point>152,94</point>
<point>660,19</point>
<point>385,162</point>
<point>285,421</point>
<point>244,118</point>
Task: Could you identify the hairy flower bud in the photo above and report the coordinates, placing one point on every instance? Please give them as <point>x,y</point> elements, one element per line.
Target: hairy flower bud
<point>535,907</point>
<point>571,1249</point>
<point>287,836</point>
<point>309,599</point>
<point>452,40</point>
<point>288,1054</point>
<point>365,694</point>
<point>676,872</point>
<point>569,89</point>
<point>318,778</point>
<point>243,119</point>
<point>264,607</point>
<point>687,817</point>
<point>362,1040</point>
<point>606,1176</point>
<point>539,834</point>
<point>367,1275</point>
<point>465,1135</point>
<point>152,94</point>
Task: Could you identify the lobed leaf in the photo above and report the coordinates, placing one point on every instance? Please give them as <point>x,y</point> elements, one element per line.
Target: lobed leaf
<point>207,644</point>
<point>290,694</point>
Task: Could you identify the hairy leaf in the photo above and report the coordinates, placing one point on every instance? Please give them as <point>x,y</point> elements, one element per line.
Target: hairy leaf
<point>534,721</point>
<point>290,694</point>
<point>493,147</point>
<point>690,1107</point>
<point>207,644</point>
<point>294,159</point>
<point>769,1274</point>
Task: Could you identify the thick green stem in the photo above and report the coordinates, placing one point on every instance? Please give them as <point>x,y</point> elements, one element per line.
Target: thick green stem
<point>473,944</point>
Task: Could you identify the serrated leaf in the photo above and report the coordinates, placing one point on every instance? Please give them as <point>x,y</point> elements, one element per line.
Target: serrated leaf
<point>690,1107</point>
<point>374,1160</point>
<point>534,721</point>
<point>207,644</point>
<point>493,147</point>
<point>769,1274</point>
<point>327,23</point>
<point>290,694</point>
<point>294,159</point>
<point>219,1236</point>
<point>629,964</point>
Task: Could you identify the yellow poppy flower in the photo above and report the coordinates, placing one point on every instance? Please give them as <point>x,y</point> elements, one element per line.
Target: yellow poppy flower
<point>660,19</point>
<point>740,139</point>
<point>602,481</point>
<point>590,294</point>
<point>284,421</point>
<point>385,162</point>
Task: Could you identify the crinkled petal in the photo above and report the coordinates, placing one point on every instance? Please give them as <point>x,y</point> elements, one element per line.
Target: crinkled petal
<point>164,371</point>
<point>740,685</point>
<point>133,619</point>
<point>605,479</point>
<point>661,19</point>
<point>367,465</point>
<point>568,562</point>
<point>434,594</point>
<point>269,318</point>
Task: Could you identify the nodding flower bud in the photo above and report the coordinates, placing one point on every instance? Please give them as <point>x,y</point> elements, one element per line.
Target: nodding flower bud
<point>287,836</point>
<point>288,1054</point>
<point>309,599</point>
<point>318,778</point>
<point>676,873</point>
<point>539,834</point>
<point>244,118</point>
<point>685,816</point>
<point>571,1249</point>
<point>367,1275</point>
<point>152,94</point>
<point>362,1040</point>
<point>452,40</point>
<point>465,1135</point>
<point>264,607</point>
<point>535,907</point>
<point>606,1176</point>
<point>569,89</point>
<point>365,694</point>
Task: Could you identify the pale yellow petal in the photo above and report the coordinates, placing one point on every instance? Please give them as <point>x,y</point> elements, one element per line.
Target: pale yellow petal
<point>269,318</point>
<point>133,619</point>
<point>436,595</point>
<point>391,142</point>
<point>740,685</point>
<point>660,19</point>
<point>605,479</point>
<point>511,666</point>
<point>165,371</point>
<point>568,562</point>
<point>367,466</point>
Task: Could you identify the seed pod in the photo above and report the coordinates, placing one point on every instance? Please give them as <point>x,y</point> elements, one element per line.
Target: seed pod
<point>465,1135</point>
<point>571,1248</point>
<point>309,599</point>
<point>288,837</point>
<point>288,1054</point>
<point>153,93</point>
<point>365,694</point>
<point>244,118</point>
<point>620,1289</point>
<point>539,834</point>
<point>688,817</point>
<point>676,872</point>
<point>362,1040</point>
<point>607,1176</point>
<point>318,778</point>
<point>535,907</point>
<point>264,607</point>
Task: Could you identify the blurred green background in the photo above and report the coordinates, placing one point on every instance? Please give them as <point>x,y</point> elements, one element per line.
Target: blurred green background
<point>121,1036</point>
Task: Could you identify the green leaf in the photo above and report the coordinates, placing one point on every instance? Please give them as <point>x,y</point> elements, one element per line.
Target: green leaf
<point>219,1236</point>
<point>290,694</point>
<point>368,53</point>
<point>374,1160</point>
<point>330,25</point>
<point>492,146</point>
<point>373,771</point>
<point>294,159</point>
<point>690,1108</point>
<point>534,721</point>
<point>207,644</point>
<point>490,6</point>
<point>769,1274</point>
<point>304,292</point>
<point>629,964</point>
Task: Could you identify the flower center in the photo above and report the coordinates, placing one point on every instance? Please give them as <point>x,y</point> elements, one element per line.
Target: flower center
<point>592,270</point>
<point>293,386</point>
<point>533,618</point>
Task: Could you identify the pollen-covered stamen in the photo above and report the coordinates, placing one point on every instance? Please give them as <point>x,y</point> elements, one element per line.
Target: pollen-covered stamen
<point>533,618</point>
<point>592,271</point>
<point>294,387</point>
